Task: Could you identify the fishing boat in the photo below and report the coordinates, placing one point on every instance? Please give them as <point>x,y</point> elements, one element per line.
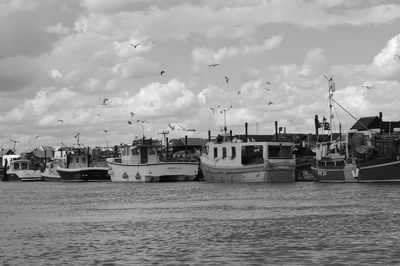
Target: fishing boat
<point>140,162</point>
<point>22,170</point>
<point>239,161</point>
<point>236,159</point>
<point>333,162</point>
<point>50,173</point>
<point>80,168</point>
<point>376,149</point>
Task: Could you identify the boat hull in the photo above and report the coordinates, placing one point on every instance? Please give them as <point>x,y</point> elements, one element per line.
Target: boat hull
<point>343,173</point>
<point>380,170</point>
<point>253,173</point>
<point>51,178</point>
<point>24,175</point>
<point>157,172</point>
<point>84,174</point>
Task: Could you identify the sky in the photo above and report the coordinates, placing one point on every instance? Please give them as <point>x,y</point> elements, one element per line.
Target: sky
<point>69,67</point>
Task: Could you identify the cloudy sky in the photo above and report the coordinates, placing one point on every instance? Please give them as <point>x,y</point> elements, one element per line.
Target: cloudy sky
<point>59,60</point>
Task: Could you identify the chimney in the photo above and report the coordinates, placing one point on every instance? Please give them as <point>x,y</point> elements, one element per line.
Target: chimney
<point>186,147</point>
<point>209,135</point>
<point>276,130</point>
<point>245,132</point>
<point>316,123</point>
<point>380,122</point>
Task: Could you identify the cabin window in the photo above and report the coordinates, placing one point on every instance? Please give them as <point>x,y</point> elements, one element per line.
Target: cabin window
<point>16,166</point>
<point>135,151</point>
<point>233,152</point>
<point>24,166</point>
<point>223,152</point>
<point>77,160</point>
<point>330,163</point>
<point>280,152</point>
<point>252,154</point>
<point>83,160</point>
<point>152,151</point>
<point>215,152</point>
<point>340,163</point>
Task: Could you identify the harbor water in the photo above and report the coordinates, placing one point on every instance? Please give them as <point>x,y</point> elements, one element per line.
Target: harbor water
<point>196,223</point>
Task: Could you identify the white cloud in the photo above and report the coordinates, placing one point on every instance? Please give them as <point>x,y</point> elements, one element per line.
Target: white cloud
<point>203,56</point>
<point>57,29</point>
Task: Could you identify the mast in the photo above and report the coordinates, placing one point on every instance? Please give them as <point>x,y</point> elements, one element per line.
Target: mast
<point>331,89</point>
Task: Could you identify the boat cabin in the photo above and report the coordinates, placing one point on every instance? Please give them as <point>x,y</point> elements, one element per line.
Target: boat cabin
<point>78,157</point>
<point>18,165</point>
<point>141,152</point>
<point>247,153</point>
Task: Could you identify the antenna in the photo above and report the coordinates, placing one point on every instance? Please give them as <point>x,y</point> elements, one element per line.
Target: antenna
<point>164,132</point>
<point>224,109</point>
<point>15,142</point>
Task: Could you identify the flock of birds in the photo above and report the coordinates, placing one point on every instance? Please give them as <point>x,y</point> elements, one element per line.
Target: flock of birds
<point>220,107</point>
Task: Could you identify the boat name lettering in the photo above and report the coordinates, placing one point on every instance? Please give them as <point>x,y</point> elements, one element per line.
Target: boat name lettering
<point>321,173</point>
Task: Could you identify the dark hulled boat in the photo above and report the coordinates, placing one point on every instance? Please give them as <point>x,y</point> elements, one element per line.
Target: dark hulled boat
<point>79,167</point>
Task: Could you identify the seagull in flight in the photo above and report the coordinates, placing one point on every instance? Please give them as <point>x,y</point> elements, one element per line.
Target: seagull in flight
<point>98,115</point>
<point>129,122</point>
<point>60,120</point>
<point>135,45</point>
<point>105,101</point>
<point>172,127</point>
<point>226,79</point>
<point>105,130</point>
<point>269,83</point>
<point>213,65</point>
<point>368,86</point>
<point>162,72</point>
<point>270,103</point>
<point>132,114</point>
<point>212,109</point>
<point>239,92</point>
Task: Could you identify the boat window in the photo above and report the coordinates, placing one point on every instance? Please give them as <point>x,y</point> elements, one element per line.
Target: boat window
<point>215,152</point>
<point>223,152</point>
<point>284,152</point>
<point>77,160</point>
<point>24,166</point>
<point>152,151</point>
<point>252,154</point>
<point>83,160</point>
<point>340,163</point>
<point>330,163</point>
<point>135,151</point>
<point>16,166</point>
<point>321,163</point>
<point>233,152</point>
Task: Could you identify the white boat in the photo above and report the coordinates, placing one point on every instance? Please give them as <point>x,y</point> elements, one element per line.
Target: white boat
<point>50,173</point>
<point>238,161</point>
<point>21,169</point>
<point>140,162</point>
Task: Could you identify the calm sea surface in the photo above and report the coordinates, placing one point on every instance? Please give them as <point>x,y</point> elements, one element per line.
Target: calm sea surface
<point>197,223</point>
